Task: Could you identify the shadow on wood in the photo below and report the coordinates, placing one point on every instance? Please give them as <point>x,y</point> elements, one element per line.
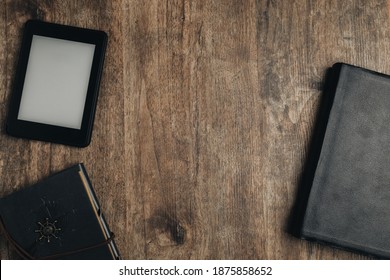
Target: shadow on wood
<point>298,210</point>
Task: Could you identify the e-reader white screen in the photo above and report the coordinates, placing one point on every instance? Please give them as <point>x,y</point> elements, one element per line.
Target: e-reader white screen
<point>56,82</point>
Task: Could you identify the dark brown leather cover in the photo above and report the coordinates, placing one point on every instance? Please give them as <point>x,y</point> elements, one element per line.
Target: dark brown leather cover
<point>349,202</point>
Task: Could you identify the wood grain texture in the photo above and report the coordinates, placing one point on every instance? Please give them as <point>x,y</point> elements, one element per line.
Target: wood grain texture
<point>205,113</point>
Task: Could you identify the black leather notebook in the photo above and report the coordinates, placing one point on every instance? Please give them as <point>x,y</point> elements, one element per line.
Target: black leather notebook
<point>58,218</point>
<point>349,201</point>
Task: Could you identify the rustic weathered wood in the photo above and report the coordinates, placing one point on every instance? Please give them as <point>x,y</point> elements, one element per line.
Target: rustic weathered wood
<point>204,118</point>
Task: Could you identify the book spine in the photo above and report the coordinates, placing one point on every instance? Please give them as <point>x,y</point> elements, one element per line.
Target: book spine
<point>314,150</point>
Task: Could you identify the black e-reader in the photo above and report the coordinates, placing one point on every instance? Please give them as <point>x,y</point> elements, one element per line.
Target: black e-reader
<point>56,85</point>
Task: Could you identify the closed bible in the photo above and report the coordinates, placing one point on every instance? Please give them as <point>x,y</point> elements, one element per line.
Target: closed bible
<point>349,201</point>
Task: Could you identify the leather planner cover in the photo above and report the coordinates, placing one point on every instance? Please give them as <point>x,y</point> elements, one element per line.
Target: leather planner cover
<point>57,218</point>
<point>349,201</point>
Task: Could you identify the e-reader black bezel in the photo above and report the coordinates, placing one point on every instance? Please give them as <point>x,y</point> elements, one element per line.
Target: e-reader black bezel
<point>51,133</point>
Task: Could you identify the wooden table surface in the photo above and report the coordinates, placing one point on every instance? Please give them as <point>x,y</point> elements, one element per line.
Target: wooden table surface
<point>204,118</point>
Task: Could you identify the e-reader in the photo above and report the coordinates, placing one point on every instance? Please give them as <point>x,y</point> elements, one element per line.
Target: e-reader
<point>57,82</point>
